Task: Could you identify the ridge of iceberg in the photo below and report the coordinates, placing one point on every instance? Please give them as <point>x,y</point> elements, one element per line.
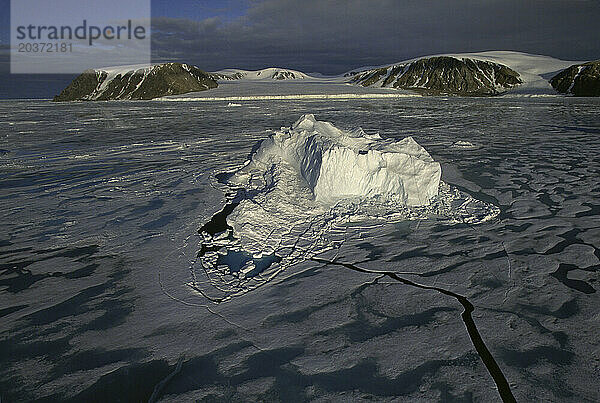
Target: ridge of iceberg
<point>339,164</point>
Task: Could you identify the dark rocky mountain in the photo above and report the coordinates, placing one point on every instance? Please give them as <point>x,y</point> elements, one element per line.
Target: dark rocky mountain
<point>142,83</point>
<point>581,80</point>
<point>442,75</point>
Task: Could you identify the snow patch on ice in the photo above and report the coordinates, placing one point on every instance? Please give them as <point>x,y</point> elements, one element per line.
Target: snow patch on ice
<point>463,144</point>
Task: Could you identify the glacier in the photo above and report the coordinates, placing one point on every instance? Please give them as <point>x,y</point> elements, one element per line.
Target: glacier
<point>337,164</point>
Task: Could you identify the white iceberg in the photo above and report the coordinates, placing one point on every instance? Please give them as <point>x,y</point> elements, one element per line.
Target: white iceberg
<point>338,165</point>
<point>299,192</point>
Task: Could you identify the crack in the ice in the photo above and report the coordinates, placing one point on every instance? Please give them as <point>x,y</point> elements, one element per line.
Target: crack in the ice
<point>161,385</point>
<point>501,241</point>
<point>485,354</point>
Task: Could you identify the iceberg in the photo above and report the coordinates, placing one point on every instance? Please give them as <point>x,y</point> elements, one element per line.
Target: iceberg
<point>308,189</point>
<point>339,164</point>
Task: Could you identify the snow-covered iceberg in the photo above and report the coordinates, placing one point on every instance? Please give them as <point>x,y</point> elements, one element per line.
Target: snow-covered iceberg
<point>307,189</point>
<point>339,164</point>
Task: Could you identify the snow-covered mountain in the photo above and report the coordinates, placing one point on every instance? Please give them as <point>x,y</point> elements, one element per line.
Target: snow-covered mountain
<point>136,82</point>
<point>271,73</point>
<point>479,74</point>
<point>443,75</point>
<point>465,74</point>
<point>535,70</point>
<point>484,73</point>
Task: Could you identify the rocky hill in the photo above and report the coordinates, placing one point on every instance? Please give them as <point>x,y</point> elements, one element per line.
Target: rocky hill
<point>145,82</point>
<point>582,80</point>
<point>442,75</point>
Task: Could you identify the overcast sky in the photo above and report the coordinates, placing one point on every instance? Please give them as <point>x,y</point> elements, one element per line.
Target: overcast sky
<point>334,36</point>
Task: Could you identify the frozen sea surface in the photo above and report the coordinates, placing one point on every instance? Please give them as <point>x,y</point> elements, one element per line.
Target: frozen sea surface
<point>288,89</point>
<point>101,204</point>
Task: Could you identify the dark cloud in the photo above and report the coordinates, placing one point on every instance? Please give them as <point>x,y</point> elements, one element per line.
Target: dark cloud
<point>333,36</point>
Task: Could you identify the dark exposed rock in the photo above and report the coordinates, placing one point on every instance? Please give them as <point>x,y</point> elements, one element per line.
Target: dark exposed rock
<point>223,76</point>
<point>86,83</point>
<point>581,80</point>
<point>144,83</point>
<point>284,75</point>
<point>443,75</point>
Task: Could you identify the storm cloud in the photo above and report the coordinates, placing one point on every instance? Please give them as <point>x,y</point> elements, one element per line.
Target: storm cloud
<point>333,36</point>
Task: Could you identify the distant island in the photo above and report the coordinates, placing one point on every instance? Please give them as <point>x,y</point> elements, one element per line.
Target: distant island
<point>136,82</point>
<point>442,75</point>
<point>476,75</point>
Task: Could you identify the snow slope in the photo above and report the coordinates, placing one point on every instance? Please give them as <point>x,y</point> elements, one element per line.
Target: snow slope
<point>109,74</point>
